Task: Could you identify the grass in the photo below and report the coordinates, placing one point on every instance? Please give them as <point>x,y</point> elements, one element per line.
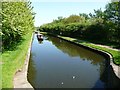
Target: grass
<point>0,71</point>
<point>115,54</point>
<point>43,32</point>
<point>14,60</point>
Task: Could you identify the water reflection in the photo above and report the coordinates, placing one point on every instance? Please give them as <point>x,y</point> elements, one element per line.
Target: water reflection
<point>31,71</point>
<point>56,63</point>
<point>40,41</point>
<point>76,51</point>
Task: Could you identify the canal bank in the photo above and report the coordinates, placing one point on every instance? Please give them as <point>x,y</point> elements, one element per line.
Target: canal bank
<point>20,77</point>
<point>66,57</point>
<point>115,69</point>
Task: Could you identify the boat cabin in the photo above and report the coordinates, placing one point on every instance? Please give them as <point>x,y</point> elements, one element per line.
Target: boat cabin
<point>40,36</point>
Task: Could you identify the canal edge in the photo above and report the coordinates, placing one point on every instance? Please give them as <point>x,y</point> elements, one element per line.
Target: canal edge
<point>115,68</point>
<point>20,77</point>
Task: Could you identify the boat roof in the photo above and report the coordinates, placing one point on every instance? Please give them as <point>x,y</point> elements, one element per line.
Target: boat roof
<point>39,34</point>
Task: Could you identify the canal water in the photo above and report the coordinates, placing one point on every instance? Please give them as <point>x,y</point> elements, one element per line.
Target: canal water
<point>55,63</point>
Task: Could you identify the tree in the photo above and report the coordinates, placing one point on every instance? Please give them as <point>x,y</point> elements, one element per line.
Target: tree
<point>17,20</point>
<point>119,24</point>
<point>112,15</point>
<point>112,11</point>
<point>84,15</point>
<point>101,27</point>
<point>99,13</point>
<point>73,19</point>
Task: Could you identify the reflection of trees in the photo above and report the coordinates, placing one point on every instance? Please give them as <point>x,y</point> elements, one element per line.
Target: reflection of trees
<point>107,75</point>
<point>40,41</point>
<point>31,70</point>
<point>104,73</point>
<point>76,51</point>
<point>109,78</point>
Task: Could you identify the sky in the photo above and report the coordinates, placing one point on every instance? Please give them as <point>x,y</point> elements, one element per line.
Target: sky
<point>46,10</point>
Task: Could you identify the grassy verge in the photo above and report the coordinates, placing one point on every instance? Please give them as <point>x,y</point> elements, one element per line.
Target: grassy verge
<point>43,32</point>
<point>116,54</point>
<point>14,60</point>
<point>0,72</point>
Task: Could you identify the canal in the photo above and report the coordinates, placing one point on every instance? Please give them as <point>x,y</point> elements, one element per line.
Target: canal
<point>55,63</point>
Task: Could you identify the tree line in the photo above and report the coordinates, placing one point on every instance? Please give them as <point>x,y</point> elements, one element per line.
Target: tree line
<point>101,27</point>
<point>17,20</point>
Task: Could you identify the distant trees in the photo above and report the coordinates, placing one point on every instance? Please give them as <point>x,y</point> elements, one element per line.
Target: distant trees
<point>101,27</point>
<point>17,20</point>
<point>112,11</point>
<point>84,15</point>
<point>73,19</point>
<point>112,16</point>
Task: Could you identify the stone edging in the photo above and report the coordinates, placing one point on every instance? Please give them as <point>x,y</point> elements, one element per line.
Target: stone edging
<point>20,78</point>
<point>101,52</point>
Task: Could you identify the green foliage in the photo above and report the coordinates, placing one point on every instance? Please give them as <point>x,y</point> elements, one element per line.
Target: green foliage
<point>114,53</point>
<point>112,12</point>
<point>93,33</point>
<point>17,20</point>
<point>14,60</point>
<point>112,16</point>
<point>73,19</point>
<point>84,15</point>
<point>87,29</point>
<point>101,27</point>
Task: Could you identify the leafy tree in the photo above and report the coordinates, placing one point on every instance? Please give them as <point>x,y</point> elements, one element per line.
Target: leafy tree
<point>112,11</point>
<point>119,23</point>
<point>73,19</point>
<point>99,13</point>
<point>59,20</point>
<point>84,15</point>
<point>17,20</point>
<point>112,15</point>
<point>101,27</point>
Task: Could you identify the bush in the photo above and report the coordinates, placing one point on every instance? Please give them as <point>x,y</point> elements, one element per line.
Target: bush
<point>17,20</point>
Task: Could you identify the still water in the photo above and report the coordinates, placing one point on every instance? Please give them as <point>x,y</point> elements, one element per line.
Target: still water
<point>55,63</point>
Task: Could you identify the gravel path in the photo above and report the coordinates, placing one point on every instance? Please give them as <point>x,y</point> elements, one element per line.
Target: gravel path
<point>107,47</point>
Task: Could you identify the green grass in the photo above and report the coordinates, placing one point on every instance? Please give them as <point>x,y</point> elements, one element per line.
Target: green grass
<point>115,54</point>
<point>0,71</point>
<point>43,32</point>
<point>14,60</point>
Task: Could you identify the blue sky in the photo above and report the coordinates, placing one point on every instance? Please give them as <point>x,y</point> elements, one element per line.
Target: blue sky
<point>47,11</point>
